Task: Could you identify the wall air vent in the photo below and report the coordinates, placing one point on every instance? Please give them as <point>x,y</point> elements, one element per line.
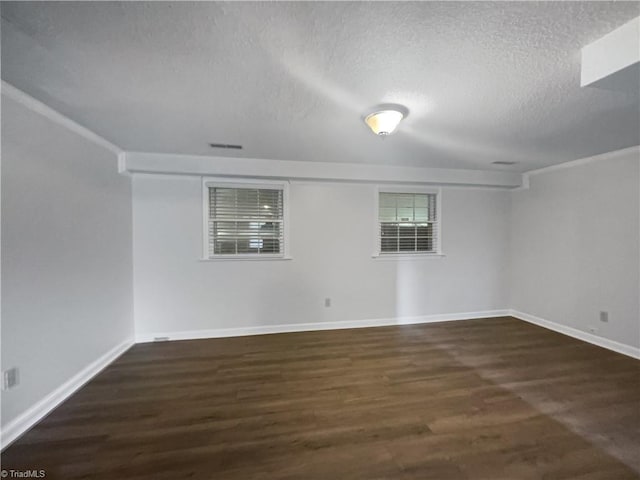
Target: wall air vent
<point>225,145</point>
<point>500,162</point>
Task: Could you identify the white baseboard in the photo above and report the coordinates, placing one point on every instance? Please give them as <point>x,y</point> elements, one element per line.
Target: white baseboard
<point>308,327</point>
<point>579,334</point>
<point>26,420</point>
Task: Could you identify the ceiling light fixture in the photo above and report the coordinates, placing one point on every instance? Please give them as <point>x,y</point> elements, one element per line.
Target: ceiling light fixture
<point>384,121</point>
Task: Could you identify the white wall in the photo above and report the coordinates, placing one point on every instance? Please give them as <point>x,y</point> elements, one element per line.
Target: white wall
<point>66,255</point>
<point>575,247</point>
<point>331,245</point>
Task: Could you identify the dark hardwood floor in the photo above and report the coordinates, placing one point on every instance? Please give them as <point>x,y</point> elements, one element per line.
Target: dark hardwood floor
<point>482,399</point>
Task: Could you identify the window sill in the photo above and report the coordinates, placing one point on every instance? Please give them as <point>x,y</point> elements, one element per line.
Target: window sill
<point>244,258</point>
<point>407,256</point>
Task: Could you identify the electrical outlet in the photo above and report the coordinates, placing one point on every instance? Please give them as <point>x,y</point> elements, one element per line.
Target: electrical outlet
<point>327,302</point>
<point>10,378</point>
<point>604,316</point>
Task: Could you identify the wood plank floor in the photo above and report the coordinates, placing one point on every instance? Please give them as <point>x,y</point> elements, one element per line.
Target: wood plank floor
<point>482,399</point>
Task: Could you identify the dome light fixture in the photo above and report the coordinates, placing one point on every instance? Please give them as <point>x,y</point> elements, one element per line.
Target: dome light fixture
<point>385,121</point>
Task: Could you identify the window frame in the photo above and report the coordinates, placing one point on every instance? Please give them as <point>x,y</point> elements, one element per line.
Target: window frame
<point>377,253</point>
<point>282,185</point>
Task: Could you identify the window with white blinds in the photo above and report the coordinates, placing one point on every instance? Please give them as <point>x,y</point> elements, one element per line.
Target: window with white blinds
<point>245,221</point>
<point>408,223</point>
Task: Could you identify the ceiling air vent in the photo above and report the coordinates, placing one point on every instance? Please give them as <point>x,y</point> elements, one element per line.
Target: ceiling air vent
<point>500,162</point>
<point>225,145</point>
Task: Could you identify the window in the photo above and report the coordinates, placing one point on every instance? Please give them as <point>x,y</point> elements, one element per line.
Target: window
<point>244,220</point>
<point>408,223</point>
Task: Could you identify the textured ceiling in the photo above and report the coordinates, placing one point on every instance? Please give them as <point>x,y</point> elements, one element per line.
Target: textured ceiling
<point>483,81</point>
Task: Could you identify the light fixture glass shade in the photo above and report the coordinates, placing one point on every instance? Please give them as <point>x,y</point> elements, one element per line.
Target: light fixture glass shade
<point>384,122</point>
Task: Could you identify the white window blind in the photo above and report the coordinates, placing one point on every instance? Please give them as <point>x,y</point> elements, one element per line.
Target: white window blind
<point>408,223</point>
<point>245,221</point>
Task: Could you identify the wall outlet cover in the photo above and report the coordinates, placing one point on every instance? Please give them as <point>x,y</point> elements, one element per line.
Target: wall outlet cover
<point>10,378</point>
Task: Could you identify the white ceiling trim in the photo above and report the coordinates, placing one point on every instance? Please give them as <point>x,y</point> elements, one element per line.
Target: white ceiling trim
<point>526,176</point>
<point>138,162</point>
<point>582,161</point>
<point>46,111</point>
